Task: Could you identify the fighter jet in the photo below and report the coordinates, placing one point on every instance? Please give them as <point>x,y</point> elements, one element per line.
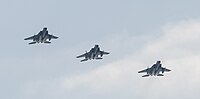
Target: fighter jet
<point>94,53</point>
<point>155,70</point>
<point>41,37</point>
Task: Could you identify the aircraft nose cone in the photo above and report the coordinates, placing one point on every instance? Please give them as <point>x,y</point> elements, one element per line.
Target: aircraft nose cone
<point>96,45</point>
<point>159,62</point>
<point>45,28</point>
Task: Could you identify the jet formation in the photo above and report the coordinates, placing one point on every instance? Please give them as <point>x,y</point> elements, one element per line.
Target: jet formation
<point>155,70</point>
<point>94,53</point>
<point>42,37</point>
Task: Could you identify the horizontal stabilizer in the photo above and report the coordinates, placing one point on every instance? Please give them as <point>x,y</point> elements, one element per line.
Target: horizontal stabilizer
<point>160,75</point>
<point>47,42</point>
<point>145,76</point>
<point>32,43</point>
<point>84,60</point>
<point>99,58</point>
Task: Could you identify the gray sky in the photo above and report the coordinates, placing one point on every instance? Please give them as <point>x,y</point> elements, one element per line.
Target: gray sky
<point>137,33</point>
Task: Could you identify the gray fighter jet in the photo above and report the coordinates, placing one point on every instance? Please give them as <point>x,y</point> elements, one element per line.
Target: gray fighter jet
<point>94,53</point>
<point>155,70</point>
<point>42,37</point>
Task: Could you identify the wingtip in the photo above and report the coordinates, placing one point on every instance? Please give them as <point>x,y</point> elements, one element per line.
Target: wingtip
<point>77,56</point>
<point>139,72</point>
<point>32,43</point>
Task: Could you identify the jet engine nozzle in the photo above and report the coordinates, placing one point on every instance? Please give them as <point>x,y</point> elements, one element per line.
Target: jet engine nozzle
<point>148,70</point>
<point>163,70</point>
<point>101,53</point>
<point>34,37</point>
<point>50,36</point>
<point>86,54</point>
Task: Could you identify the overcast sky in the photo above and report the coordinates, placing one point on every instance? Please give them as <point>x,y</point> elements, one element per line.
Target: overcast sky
<point>137,33</point>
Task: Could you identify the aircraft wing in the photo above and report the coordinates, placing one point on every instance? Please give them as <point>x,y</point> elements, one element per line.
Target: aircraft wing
<point>167,70</point>
<point>53,37</point>
<point>105,52</point>
<point>30,38</point>
<point>142,71</point>
<point>83,55</point>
